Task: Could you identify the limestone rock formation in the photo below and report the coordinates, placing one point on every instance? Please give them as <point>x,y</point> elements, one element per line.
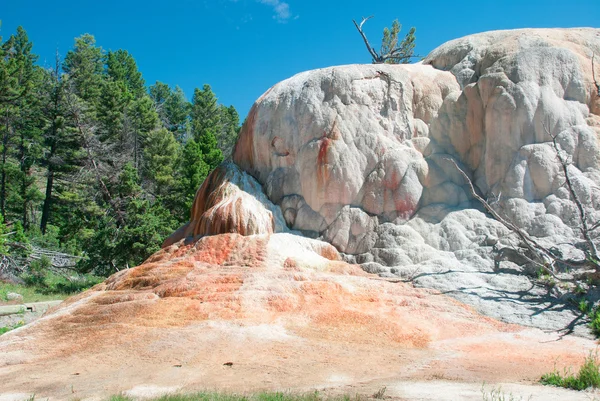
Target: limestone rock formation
<point>351,146</point>
<point>361,156</point>
<point>230,201</point>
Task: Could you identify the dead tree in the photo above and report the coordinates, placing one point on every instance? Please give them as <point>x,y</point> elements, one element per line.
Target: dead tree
<point>594,75</point>
<point>397,52</point>
<point>549,259</point>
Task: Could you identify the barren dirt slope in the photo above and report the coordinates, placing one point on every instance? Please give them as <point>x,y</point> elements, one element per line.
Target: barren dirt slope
<point>277,312</point>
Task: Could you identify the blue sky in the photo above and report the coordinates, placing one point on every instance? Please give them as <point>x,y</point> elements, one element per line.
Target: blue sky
<point>242,47</point>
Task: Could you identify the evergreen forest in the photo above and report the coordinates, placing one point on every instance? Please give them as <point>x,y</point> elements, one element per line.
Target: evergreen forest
<point>97,167</point>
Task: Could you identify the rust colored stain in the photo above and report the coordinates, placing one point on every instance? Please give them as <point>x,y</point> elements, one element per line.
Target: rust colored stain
<point>322,167</point>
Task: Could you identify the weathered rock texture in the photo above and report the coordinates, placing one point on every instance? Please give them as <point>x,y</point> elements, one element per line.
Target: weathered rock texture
<point>360,156</point>
<point>280,312</point>
<point>230,201</point>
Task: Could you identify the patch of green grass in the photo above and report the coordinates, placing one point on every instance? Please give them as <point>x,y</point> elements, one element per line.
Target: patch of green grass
<point>30,294</point>
<point>211,396</point>
<point>6,329</point>
<point>48,287</point>
<point>588,376</point>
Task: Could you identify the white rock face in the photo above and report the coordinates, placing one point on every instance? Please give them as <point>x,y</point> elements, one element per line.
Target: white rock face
<point>360,155</point>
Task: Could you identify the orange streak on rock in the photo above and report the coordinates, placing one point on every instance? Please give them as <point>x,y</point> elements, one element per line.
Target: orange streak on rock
<point>322,167</point>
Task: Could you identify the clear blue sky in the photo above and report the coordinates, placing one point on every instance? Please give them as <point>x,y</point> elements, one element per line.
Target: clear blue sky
<point>242,47</point>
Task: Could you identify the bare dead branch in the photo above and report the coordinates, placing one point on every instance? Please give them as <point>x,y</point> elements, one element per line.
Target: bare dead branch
<point>583,219</point>
<point>529,242</point>
<point>365,20</point>
<point>595,226</point>
<point>371,49</point>
<point>594,75</point>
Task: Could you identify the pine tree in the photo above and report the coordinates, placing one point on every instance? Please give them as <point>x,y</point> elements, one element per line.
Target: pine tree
<point>211,154</point>
<point>205,112</point>
<point>161,155</point>
<point>143,119</point>
<point>230,127</point>
<point>402,51</point>
<point>206,120</point>
<point>192,172</point>
<point>85,66</point>
<point>62,154</point>
<point>177,110</point>
<point>21,127</point>
<point>121,67</point>
<point>111,106</point>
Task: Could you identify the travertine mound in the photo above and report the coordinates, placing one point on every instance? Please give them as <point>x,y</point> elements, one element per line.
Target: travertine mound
<point>280,312</point>
<point>342,149</point>
<point>361,156</point>
<point>230,201</point>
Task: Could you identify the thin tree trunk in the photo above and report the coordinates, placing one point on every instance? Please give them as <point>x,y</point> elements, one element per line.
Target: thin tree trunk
<point>3,175</point>
<point>24,175</point>
<point>47,200</point>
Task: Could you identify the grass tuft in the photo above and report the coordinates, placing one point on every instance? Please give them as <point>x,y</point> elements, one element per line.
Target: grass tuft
<point>588,376</point>
<point>6,329</point>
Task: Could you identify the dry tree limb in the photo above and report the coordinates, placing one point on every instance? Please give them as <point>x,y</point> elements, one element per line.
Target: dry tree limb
<point>544,254</point>
<point>583,219</point>
<point>371,49</point>
<point>594,75</point>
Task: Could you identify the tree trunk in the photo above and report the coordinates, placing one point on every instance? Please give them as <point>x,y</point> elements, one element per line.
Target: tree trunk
<point>47,200</point>
<point>3,175</point>
<point>24,174</point>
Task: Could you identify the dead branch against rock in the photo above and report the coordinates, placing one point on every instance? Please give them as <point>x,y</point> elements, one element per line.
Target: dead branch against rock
<point>545,256</point>
<point>583,218</point>
<point>529,249</point>
<point>594,75</point>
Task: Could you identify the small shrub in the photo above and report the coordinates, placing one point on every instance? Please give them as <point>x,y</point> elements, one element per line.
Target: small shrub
<point>584,306</point>
<point>380,394</point>
<point>6,329</point>
<point>588,376</point>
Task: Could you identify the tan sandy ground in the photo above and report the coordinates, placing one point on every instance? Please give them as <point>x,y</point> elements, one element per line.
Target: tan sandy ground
<point>277,312</point>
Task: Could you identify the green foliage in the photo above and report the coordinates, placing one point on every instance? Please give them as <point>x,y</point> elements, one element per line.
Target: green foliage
<point>211,154</point>
<point>113,101</point>
<point>173,109</point>
<point>594,316</point>
<point>230,128</point>
<point>402,50</point>
<point>121,67</point>
<point>588,376</point>
<point>53,288</point>
<point>6,329</point>
<point>3,237</point>
<point>85,67</point>
<point>93,164</point>
<point>192,171</point>
<point>205,112</point>
<point>161,154</point>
